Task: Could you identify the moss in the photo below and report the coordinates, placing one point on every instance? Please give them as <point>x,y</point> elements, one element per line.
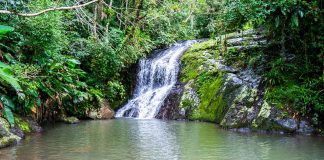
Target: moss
<point>207,82</point>
<point>5,124</point>
<point>6,137</point>
<point>9,140</point>
<point>195,58</point>
<point>212,103</point>
<point>190,70</point>
<point>207,45</point>
<point>186,103</point>
<point>22,124</point>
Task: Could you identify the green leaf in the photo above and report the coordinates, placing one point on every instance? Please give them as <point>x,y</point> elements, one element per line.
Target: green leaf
<point>73,62</point>
<point>3,65</point>
<point>8,107</point>
<point>5,29</point>
<point>277,22</point>
<point>9,116</point>
<point>7,101</point>
<point>294,20</point>
<point>7,76</point>
<point>301,13</point>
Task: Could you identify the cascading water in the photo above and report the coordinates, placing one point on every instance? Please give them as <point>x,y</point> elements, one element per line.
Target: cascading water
<point>155,80</point>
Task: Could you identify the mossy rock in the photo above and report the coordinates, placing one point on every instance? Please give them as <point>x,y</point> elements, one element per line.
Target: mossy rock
<point>195,59</point>
<point>22,124</point>
<point>207,45</point>
<point>4,127</point>
<point>70,120</point>
<point>9,140</point>
<point>6,137</point>
<point>212,105</point>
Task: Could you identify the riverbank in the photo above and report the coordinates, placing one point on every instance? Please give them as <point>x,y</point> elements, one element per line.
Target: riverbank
<point>11,134</point>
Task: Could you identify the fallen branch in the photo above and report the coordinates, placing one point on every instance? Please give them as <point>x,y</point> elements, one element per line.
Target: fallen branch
<point>47,10</point>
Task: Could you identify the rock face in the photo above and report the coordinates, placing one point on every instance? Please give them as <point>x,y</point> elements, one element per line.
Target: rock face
<point>214,88</point>
<point>170,109</point>
<point>11,135</point>
<point>6,137</point>
<point>104,112</point>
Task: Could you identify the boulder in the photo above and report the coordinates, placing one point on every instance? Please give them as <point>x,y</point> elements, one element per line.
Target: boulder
<point>305,128</point>
<point>4,128</point>
<point>6,137</point>
<point>288,124</point>
<point>104,112</point>
<point>9,140</point>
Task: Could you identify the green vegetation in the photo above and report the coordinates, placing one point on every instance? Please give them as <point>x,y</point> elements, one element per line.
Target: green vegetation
<point>207,82</point>
<point>212,104</point>
<point>195,58</point>
<point>23,125</point>
<point>294,55</point>
<point>66,61</point>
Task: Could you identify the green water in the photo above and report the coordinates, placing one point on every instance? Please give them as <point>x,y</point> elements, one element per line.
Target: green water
<point>131,139</point>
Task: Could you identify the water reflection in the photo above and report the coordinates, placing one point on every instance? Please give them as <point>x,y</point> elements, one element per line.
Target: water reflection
<point>130,139</point>
<point>155,140</point>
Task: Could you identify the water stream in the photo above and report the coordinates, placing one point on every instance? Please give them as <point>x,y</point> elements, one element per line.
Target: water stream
<point>155,79</point>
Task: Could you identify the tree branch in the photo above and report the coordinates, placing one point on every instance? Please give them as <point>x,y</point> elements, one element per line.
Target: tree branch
<point>47,10</point>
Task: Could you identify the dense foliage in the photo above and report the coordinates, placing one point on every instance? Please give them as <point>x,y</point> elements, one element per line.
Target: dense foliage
<point>65,61</point>
<point>294,55</point>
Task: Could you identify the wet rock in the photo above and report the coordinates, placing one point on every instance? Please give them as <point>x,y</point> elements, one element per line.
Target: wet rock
<point>17,131</point>
<point>132,112</point>
<point>288,124</point>
<point>35,127</point>
<point>9,140</point>
<point>170,108</point>
<point>305,128</point>
<point>242,130</point>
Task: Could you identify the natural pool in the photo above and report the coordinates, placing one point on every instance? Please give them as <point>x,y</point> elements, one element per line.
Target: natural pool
<point>135,139</point>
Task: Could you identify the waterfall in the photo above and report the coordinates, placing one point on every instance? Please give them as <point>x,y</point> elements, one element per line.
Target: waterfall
<point>155,79</point>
